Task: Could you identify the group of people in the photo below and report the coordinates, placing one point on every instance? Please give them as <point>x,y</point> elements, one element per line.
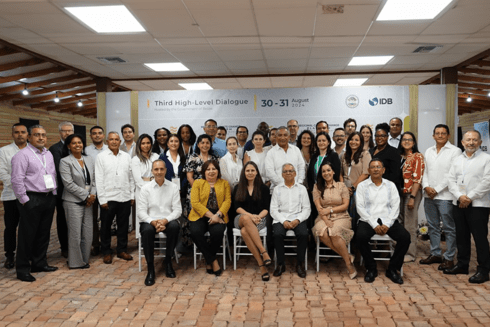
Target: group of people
<point>196,189</point>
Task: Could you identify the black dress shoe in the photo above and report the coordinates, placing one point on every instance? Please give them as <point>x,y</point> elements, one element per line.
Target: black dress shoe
<point>9,263</point>
<point>457,269</point>
<point>478,278</point>
<point>301,271</point>
<point>370,276</point>
<point>44,269</point>
<point>430,260</point>
<point>394,276</point>
<point>279,270</point>
<point>85,266</point>
<point>169,271</point>
<point>150,277</point>
<point>95,251</point>
<point>64,254</point>
<point>26,277</point>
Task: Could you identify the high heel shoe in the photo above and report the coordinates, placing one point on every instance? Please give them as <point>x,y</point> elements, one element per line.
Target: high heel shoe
<point>266,276</point>
<point>352,275</point>
<point>267,262</point>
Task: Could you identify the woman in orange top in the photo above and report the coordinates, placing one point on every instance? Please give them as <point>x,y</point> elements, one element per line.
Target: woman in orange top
<point>412,170</point>
<point>210,200</point>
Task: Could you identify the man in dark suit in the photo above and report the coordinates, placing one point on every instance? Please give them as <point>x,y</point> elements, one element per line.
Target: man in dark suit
<point>65,128</point>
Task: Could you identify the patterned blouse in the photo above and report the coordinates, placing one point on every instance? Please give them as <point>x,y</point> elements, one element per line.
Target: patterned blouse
<point>413,170</point>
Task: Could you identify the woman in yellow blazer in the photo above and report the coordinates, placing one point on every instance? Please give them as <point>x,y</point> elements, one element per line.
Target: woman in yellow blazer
<point>210,200</point>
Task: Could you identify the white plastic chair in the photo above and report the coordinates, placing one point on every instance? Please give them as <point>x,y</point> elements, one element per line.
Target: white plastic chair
<point>379,242</point>
<point>330,254</point>
<point>238,244</point>
<point>290,234</point>
<point>224,245</point>
<point>160,245</point>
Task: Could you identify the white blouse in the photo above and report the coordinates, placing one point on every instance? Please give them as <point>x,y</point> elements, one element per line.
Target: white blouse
<point>230,170</point>
<point>259,159</point>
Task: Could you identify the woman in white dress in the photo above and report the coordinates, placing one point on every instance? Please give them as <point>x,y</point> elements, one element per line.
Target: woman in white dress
<point>231,165</point>
<point>258,154</point>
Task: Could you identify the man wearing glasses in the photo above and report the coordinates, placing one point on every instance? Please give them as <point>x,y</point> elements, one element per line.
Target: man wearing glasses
<point>293,128</point>
<point>34,186</point>
<point>290,208</point>
<point>387,154</point>
<point>339,140</point>
<point>242,136</point>
<point>438,202</point>
<point>65,128</point>
<point>211,129</point>
<point>350,126</point>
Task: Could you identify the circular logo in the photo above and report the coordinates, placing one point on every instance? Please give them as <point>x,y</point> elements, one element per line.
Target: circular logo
<point>352,101</point>
<point>373,102</point>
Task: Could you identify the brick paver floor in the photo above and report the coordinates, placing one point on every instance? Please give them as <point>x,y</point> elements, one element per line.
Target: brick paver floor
<point>115,295</point>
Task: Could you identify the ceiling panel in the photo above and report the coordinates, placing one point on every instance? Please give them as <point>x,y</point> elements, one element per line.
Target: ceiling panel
<point>473,16</point>
<point>254,83</point>
<point>289,63</point>
<point>319,81</point>
<point>398,28</point>
<point>386,79</point>
<point>225,86</point>
<point>331,62</point>
<point>354,21</point>
<point>47,23</point>
<point>162,85</point>
<point>221,22</point>
<point>167,23</point>
<point>280,21</point>
<point>26,7</point>
<point>246,64</point>
<point>229,55</point>
<point>333,52</point>
<point>287,81</point>
<point>188,57</point>
<point>286,53</point>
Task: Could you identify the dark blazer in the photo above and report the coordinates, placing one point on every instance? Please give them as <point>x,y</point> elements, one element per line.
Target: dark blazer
<point>333,158</point>
<point>170,171</point>
<point>72,177</point>
<point>56,150</point>
<point>392,161</point>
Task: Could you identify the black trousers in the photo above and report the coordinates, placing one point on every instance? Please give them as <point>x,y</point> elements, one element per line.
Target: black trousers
<point>121,211</point>
<point>301,232</point>
<point>148,233</point>
<point>11,218</point>
<point>36,217</point>
<point>61,225</point>
<point>472,221</point>
<point>216,231</point>
<point>397,232</point>
<point>95,217</point>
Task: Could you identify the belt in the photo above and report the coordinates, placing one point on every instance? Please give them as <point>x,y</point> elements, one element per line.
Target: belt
<point>40,193</point>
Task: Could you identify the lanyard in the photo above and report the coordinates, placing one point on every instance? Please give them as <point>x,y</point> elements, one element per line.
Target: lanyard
<point>42,163</point>
<point>318,163</point>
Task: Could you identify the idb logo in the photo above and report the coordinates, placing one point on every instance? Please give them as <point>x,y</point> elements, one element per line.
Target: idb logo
<point>375,101</point>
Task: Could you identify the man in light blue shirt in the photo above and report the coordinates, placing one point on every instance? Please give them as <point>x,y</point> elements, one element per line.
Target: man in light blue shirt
<point>211,129</point>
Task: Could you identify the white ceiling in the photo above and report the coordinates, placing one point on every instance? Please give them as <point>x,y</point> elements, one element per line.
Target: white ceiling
<point>249,37</point>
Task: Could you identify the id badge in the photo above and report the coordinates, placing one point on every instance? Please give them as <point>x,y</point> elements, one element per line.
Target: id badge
<point>176,181</point>
<point>462,187</point>
<point>48,181</point>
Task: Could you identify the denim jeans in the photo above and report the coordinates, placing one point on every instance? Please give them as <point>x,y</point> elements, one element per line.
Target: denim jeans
<point>435,211</point>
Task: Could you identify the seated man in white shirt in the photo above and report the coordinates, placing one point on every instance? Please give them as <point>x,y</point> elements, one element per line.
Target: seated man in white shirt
<point>158,211</point>
<point>290,208</point>
<point>378,205</point>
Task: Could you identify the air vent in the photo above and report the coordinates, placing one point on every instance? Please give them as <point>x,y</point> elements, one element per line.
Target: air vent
<point>333,9</point>
<point>427,49</point>
<point>111,60</point>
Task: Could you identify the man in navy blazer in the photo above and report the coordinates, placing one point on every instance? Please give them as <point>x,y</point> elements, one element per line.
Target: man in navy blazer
<point>65,128</point>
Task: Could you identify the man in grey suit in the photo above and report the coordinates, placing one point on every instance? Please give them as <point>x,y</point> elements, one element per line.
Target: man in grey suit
<point>77,172</point>
<point>65,128</point>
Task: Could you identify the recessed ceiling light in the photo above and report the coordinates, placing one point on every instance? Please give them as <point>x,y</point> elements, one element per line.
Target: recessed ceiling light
<point>412,9</point>
<point>370,61</point>
<point>196,86</point>
<point>350,81</point>
<point>107,19</point>
<point>168,67</point>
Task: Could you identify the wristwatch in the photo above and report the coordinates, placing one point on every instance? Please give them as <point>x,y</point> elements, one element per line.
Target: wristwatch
<point>219,215</point>
<point>412,196</point>
<point>331,210</point>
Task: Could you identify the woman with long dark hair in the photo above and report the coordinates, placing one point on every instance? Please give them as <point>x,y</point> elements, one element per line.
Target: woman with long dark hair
<point>306,143</point>
<point>412,170</point>
<point>142,161</point>
<point>161,136</point>
<point>367,135</point>
<point>188,138</point>
<point>251,201</point>
<point>77,171</point>
<point>174,159</point>
<point>333,224</point>
<point>323,154</point>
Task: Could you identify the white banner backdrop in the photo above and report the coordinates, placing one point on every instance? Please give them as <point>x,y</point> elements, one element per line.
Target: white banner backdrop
<point>231,108</point>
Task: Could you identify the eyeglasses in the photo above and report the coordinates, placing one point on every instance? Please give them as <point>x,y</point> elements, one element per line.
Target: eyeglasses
<point>288,171</point>
<point>382,135</point>
<point>440,134</point>
<point>66,131</point>
<point>289,126</point>
<point>210,126</point>
<point>39,135</point>
<point>339,136</point>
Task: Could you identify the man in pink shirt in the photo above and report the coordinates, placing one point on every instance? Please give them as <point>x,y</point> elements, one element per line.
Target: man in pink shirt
<point>34,186</point>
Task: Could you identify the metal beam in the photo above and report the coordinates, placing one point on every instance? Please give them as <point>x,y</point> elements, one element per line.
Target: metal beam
<point>35,73</point>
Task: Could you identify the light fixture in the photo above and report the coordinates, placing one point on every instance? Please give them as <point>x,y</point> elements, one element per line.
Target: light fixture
<point>56,99</point>
<point>168,67</point>
<point>350,81</point>
<point>412,9</point>
<point>25,91</point>
<point>469,99</point>
<point>370,61</point>
<point>107,19</point>
<point>196,86</point>
<point>80,104</point>
<point>488,95</point>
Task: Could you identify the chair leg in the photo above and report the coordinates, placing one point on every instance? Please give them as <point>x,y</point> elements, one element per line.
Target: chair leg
<point>234,252</point>
<point>195,257</point>
<point>139,253</point>
<point>317,254</point>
